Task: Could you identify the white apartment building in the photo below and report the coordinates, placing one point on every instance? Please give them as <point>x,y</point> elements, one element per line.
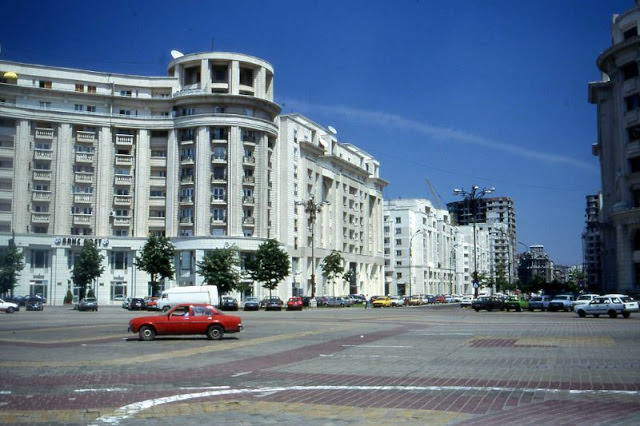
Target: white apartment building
<point>617,97</point>
<point>344,181</point>
<point>420,248</point>
<point>470,256</point>
<point>194,156</point>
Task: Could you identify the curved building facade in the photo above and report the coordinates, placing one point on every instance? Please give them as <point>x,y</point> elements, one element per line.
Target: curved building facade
<point>617,97</point>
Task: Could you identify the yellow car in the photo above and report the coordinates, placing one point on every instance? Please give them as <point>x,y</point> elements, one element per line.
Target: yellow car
<point>381,301</point>
<point>415,300</point>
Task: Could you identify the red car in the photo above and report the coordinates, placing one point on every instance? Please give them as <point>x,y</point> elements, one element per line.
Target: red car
<point>294,303</point>
<point>196,318</point>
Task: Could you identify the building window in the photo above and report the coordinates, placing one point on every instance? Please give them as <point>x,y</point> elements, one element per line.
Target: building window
<point>246,77</point>
<point>125,93</point>
<point>398,220</point>
<point>219,214</point>
<point>219,73</point>
<point>91,108</point>
<point>119,260</point>
<point>629,70</point>
<point>398,252</point>
<point>118,290</point>
<point>398,241</point>
<point>633,133</point>
<point>38,287</point>
<point>631,32</point>
<point>399,275</point>
<point>45,105</point>
<point>91,89</point>
<point>632,102</point>
<point>45,84</point>
<point>219,133</point>
<point>39,258</point>
<point>219,193</point>
<point>79,87</point>
<point>78,107</point>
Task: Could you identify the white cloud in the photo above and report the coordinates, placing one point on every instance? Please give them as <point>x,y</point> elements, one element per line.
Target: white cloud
<point>391,120</point>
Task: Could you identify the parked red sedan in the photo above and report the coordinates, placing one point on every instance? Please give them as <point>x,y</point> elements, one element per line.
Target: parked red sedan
<point>294,303</point>
<point>196,318</point>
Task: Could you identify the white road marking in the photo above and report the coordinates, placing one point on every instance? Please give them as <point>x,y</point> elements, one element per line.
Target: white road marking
<point>131,410</point>
<point>5,392</point>
<point>244,373</point>
<point>202,387</point>
<point>374,346</point>
<point>102,390</point>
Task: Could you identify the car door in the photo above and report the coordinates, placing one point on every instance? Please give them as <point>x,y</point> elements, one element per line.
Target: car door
<point>178,321</point>
<point>200,319</point>
<point>599,305</point>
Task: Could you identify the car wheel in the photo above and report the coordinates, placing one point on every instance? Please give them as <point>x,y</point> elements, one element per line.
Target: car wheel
<point>477,310</point>
<point>530,309</point>
<point>166,309</point>
<point>147,333</point>
<point>581,313</point>
<point>626,314</point>
<point>215,332</point>
<point>596,315</point>
<point>10,310</point>
<point>612,314</point>
<point>518,309</point>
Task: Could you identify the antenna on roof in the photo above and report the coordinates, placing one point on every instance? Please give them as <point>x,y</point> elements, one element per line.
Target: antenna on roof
<point>175,54</point>
<point>332,130</point>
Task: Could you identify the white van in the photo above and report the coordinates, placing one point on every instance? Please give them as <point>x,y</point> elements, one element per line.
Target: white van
<point>188,294</point>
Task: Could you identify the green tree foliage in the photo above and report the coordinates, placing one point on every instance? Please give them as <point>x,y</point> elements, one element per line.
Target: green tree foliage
<point>87,267</point>
<point>156,259</point>
<point>219,267</point>
<point>68,298</point>
<point>11,263</point>
<point>270,265</point>
<point>332,266</point>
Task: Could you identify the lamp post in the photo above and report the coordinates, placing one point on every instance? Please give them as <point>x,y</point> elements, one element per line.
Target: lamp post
<point>472,197</point>
<point>312,209</point>
<point>410,252</point>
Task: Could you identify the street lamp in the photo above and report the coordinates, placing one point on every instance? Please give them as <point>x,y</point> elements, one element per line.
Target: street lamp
<point>410,251</point>
<point>312,209</point>
<point>472,198</point>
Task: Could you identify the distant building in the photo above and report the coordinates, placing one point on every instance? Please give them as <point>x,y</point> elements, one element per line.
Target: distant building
<point>534,263</point>
<point>591,244</point>
<point>617,97</point>
<point>495,215</point>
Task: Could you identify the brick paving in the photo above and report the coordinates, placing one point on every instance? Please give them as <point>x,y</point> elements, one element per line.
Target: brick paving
<point>386,366</point>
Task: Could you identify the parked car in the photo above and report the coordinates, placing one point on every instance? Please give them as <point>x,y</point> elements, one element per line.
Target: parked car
<point>515,303</point>
<point>34,304</point>
<point>88,304</point>
<point>294,303</point>
<point>487,302</point>
<point>125,302</point>
<point>539,302</point>
<point>630,305</point>
<point>415,300</point>
<point>561,302</point>
<point>440,299</point>
<point>151,303</point>
<point>381,302</point>
<point>186,319</point>
<point>251,303</point>
<point>397,301</point>
<point>9,307</point>
<point>584,298</point>
<point>602,305</point>
<point>345,301</point>
<point>18,300</point>
<point>228,303</point>
<point>273,303</point>
<point>466,301</point>
<point>136,303</point>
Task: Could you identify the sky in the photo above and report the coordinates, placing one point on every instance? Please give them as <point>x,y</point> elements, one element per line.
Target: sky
<point>491,93</point>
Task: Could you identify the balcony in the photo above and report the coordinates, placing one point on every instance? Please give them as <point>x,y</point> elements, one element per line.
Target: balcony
<point>248,180</point>
<point>123,180</point>
<point>186,200</point>
<point>187,140</point>
<point>218,159</point>
<point>83,198</point>
<point>81,177</point>
<point>86,137</point>
<point>186,221</point>
<point>218,179</point>
<point>124,160</point>
<point>216,221</point>
<point>248,200</point>
<point>186,160</point>
<point>42,175</point>
<point>158,162</point>
<point>156,222</point>
<point>44,133</point>
<point>249,160</point>
<point>40,217</point>
<point>41,195</point>
<point>124,140</point>
<point>42,154</point>
<point>122,200</point>
<point>84,157</point>
<point>121,221</point>
<point>248,221</point>
<point>187,180</point>
<point>633,149</point>
<point>82,219</point>
<point>220,139</point>
<point>158,181</point>
<point>217,200</point>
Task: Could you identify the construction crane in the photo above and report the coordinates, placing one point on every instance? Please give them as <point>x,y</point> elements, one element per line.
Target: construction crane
<point>435,194</point>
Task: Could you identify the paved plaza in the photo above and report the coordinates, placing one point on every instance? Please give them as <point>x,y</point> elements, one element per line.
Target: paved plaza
<point>423,365</point>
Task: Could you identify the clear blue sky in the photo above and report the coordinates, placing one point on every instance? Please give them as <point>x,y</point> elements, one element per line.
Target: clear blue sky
<point>485,92</point>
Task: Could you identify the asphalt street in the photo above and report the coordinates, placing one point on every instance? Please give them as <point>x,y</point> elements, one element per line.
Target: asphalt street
<point>424,365</point>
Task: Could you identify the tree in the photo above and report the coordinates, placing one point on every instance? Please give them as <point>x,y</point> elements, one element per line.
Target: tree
<point>270,265</point>
<point>219,267</point>
<point>156,259</point>
<point>87,267</point>
<point>332,267</point>
<point>11,263</point>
